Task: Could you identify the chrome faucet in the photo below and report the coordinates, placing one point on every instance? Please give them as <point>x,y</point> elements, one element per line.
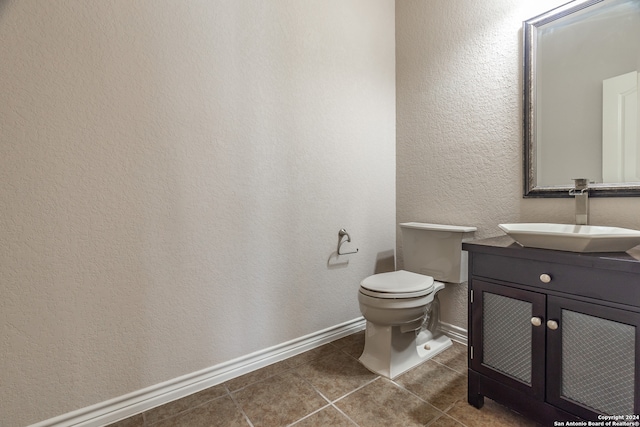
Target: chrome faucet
<point>581,193</point>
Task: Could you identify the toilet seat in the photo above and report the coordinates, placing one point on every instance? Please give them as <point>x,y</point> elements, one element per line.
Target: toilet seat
<point>397,285</point>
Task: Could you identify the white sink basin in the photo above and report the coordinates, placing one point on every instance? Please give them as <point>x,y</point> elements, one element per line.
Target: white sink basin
<point>573,238</point>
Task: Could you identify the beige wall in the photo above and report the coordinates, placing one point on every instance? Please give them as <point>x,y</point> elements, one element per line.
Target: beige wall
<point>174,176</point>
<point>459,124</point>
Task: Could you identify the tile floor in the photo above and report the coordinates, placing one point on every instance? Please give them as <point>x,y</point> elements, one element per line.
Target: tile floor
<point>327,386</point>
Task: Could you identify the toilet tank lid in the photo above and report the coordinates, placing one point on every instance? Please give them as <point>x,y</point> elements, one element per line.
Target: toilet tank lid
<point>398,282</point>
<point>438,227</point>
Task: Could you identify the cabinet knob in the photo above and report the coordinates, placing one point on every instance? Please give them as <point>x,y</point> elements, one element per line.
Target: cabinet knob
<point>545,278</point>
<point>536,321</point>
<point>552,324</point>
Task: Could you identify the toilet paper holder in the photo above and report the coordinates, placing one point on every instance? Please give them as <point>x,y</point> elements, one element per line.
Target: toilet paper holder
<point>341,234</point>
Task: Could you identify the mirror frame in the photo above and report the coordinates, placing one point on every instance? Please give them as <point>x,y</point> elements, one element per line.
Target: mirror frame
<point>531,189</point>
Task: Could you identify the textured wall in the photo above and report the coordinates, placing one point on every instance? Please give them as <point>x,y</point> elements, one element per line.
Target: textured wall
<point>174,176</point>
<point>459,124</point>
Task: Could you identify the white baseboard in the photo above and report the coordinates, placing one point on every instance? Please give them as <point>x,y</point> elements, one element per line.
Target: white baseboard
<point>116,409</point>
<point>454,332</point>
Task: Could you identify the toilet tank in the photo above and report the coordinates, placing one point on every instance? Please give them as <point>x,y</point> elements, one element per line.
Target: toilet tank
<point>436,250</point>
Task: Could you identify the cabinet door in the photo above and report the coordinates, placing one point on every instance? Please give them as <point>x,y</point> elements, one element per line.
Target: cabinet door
<point>507,344</point>
<point>592,363</point>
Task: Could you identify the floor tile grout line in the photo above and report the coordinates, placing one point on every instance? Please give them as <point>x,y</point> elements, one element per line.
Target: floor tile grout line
<point>451,368</point>
<point>313,387</point>
<point>287,369</point>
<point>329,401</point>
<point>347,416</point>
<point>347,349</point>
<point>454,418</point>
<point>355,390</point>
<point>440,412</point>
<point>332,402</point>
<point>434,421</point>
<point>400,386</point>
<point>309,414</point>
<point>260,380</point>
<point>146,423</point>
<point>238,406</point>
<point>293,369</point>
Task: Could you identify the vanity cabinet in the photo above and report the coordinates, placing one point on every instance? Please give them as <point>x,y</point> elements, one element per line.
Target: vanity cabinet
<point>554,335</point>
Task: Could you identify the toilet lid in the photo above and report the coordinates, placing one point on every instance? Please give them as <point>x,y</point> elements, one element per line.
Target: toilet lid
<point>397,284</point>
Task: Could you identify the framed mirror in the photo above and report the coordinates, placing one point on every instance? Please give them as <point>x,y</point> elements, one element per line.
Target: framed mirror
<point>581,114</point>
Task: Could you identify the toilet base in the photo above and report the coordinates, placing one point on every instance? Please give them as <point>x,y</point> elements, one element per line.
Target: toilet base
<point>390,352</point>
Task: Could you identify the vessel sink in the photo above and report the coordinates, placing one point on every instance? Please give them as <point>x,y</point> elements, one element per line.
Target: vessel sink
<point>573,238</point>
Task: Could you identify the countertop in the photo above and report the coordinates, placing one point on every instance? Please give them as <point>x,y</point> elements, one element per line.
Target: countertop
<point>505,246</point>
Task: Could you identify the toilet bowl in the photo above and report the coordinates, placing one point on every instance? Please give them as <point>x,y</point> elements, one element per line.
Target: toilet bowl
<point>394,341</point>
<point>396,304</point>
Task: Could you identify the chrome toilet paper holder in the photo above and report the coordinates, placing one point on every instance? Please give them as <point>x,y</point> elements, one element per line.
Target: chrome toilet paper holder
<point>341,234</point>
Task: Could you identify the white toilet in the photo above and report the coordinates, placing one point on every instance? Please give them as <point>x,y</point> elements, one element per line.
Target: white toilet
<point>395,304</point>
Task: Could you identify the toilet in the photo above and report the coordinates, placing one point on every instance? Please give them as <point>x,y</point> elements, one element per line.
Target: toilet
<point>401,307</point>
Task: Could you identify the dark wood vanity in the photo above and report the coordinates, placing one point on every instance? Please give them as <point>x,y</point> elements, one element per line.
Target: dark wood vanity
<point>554,335</point>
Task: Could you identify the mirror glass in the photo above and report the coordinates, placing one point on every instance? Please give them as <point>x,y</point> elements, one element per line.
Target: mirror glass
<point>581,71</point>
